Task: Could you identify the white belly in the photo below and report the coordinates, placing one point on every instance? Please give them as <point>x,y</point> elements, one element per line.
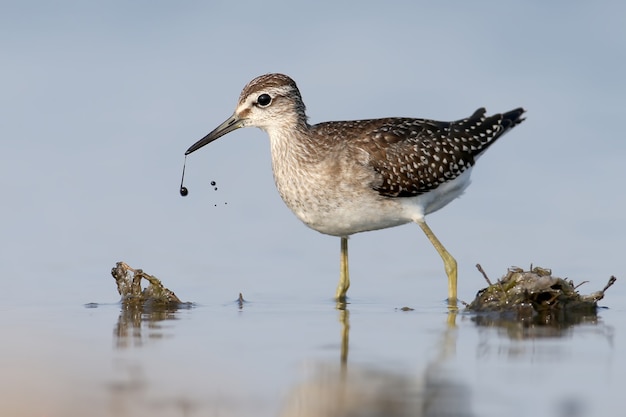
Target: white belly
<point>345,208</point>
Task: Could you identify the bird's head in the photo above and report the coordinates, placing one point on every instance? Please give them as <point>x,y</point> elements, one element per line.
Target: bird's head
<point>271,102</point>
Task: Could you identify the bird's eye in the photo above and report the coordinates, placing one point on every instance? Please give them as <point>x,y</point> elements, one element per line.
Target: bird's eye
<point>264,100</point>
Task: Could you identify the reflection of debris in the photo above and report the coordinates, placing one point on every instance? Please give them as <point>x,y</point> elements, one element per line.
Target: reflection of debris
<point>528,294</point>
<point>138,325</point>
<point>541,326</point>
<point>155,295</point>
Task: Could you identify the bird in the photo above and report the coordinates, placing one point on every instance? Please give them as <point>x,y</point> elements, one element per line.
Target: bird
<point>345,177</point>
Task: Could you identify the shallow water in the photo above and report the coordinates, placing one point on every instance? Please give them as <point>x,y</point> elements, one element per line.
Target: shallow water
<point>280,356</point>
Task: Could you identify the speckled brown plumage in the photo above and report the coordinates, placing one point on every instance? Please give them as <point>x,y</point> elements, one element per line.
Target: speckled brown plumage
<point>414,156</point>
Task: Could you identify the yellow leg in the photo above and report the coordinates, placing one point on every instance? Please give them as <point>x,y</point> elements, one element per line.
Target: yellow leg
<point>448,262</point>
<point>344,276</point>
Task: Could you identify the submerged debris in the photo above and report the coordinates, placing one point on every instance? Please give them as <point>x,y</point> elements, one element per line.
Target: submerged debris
<point>528,294</point>
<point>155,295</point>
<point>241,301</point>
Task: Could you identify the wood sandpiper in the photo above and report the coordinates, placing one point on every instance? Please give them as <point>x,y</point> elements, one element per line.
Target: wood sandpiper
<point>345,177</point>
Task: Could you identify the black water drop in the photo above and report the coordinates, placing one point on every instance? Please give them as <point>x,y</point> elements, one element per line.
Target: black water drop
<point>183,190</point>
<point>213,183</point>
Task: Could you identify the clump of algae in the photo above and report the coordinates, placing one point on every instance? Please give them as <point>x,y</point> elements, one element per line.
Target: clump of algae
<point>535,292</point>
<point>154,296</point>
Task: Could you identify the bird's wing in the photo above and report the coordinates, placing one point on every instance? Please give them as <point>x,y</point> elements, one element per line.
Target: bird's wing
<point>413,156</point>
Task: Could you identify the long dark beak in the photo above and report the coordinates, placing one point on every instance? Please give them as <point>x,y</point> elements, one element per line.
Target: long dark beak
<point>232,123</point>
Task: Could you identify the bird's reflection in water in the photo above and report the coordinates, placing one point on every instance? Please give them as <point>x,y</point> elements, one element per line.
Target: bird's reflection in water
<point>349,390</point>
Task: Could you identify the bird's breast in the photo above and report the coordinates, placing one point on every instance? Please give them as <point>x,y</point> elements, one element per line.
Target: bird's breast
<point>333,199</point>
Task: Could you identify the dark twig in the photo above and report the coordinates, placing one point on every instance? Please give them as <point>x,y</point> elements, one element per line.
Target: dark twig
<point>482,271</point>
<point>611,282</point>
<point>584,282</point>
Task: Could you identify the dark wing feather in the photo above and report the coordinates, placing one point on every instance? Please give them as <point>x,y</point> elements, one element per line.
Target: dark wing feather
<point>414,156</point>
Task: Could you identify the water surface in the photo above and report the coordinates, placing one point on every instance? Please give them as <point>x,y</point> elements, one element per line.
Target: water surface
<point>280,357</point>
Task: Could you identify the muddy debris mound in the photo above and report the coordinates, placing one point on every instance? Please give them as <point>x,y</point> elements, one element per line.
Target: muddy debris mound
<point>153,296</point>
<point>534,293</point>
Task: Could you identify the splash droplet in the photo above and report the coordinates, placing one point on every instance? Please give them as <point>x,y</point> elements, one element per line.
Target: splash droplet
<point>183,190</point>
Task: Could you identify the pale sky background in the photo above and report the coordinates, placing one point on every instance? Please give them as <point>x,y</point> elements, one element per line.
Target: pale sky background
<point>99,101</point>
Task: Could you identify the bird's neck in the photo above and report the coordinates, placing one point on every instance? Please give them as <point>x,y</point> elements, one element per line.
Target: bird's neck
<point>294,161</point>
<point>291,143</point>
